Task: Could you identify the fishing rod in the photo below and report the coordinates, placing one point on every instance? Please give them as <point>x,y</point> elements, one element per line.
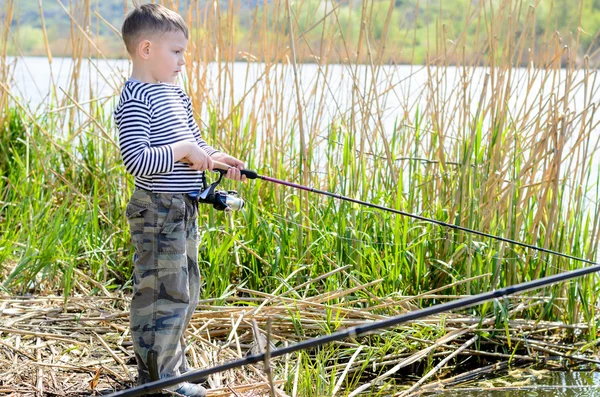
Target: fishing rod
<point>196,376</point>
<point>222,168</point>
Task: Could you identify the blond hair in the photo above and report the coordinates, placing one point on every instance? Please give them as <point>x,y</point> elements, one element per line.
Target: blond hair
<point>150,19</point>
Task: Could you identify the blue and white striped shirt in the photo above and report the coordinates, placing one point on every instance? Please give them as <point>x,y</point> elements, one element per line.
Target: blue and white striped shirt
<point>150,117</point>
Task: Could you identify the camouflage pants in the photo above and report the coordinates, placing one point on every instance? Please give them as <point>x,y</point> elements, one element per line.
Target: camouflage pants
<point>166,280</point>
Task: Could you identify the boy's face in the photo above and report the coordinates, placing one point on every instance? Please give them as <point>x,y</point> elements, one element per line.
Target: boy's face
<point>166,56</point>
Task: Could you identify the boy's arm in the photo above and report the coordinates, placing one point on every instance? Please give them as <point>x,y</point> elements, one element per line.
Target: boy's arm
<point>196,130</point>
<point>134,142</point>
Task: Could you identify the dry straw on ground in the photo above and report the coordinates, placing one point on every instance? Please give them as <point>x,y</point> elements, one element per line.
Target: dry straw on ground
<point>83,347</point>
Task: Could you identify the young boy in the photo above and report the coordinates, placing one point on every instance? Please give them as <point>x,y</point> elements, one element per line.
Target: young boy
<point>161,147</point>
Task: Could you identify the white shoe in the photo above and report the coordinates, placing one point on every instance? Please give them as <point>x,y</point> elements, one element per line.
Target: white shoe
<point>188,390</point>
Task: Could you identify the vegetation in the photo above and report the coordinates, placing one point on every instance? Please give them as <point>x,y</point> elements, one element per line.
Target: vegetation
<point>503,150</point>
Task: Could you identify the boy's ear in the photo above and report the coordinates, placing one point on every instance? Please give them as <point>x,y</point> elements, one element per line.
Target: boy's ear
<point>144,49</point>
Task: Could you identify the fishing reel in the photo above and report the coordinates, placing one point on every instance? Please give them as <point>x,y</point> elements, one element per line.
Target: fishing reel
<point>221,200</point>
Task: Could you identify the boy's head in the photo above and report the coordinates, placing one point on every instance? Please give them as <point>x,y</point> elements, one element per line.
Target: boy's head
<point>156,39</point>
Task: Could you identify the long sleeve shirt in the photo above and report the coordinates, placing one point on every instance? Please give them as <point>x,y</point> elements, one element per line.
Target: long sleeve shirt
<point>150,117</point>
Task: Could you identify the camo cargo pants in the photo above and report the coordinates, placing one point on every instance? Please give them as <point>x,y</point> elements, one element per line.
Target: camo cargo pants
<point>166,280</point>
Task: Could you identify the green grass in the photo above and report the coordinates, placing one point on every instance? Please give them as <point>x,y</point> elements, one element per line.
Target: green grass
<point>63,209</point>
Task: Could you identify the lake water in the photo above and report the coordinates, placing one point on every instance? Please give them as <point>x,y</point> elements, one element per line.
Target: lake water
<point>548,384</point>
<point>327,92</point>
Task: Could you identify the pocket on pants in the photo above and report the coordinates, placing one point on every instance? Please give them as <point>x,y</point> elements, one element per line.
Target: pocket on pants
<point>135,214</point>
<point>171,238</point>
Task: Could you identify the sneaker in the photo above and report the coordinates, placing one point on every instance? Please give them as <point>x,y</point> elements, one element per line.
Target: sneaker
<point>190,390</point>
<point>192,369</point>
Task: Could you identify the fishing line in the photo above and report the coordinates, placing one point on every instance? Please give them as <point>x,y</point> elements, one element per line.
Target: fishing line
<point>253,175</point>
<point>470,250</point>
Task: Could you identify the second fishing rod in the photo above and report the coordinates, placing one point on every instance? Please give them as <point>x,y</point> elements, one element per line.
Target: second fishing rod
<point>368,327</point>
<point>219,201</point>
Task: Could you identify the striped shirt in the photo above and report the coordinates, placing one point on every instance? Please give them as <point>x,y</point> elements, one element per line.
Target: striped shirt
<point>150,117</point>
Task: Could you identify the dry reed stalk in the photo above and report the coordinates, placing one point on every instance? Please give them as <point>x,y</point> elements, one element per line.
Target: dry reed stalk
<point>439,366</point>
<point>267,363</point>
<point>410,360</point>
<point>289,291</point>
<point>78,34</point>
<point>40,371</point>
<point>440,342</point>
<point>438,386</point>
<point>80,194</point>
<point>536,345</point>
<point>338,384</point>
<point>304,157</point>
<point>308,305</point>
<point>7,18</point>
<point>47,45</point>
<point>112,353</point>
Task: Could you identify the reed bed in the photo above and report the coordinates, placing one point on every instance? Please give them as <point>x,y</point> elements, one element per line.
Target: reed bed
<point>496,131</point>
<point>49,347</point>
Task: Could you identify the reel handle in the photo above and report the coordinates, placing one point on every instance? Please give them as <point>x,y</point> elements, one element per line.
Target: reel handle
<point>222,167</point>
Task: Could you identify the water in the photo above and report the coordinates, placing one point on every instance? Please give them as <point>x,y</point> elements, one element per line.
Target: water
<point>537,384</point>
<point>400,89</point>
<point>33,78</point>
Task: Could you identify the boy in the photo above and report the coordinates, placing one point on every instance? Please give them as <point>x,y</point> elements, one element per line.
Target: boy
<point>161,147</point>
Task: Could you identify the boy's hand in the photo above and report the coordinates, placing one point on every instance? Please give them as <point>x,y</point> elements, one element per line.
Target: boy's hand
<point>235,164</point>
<point>199,159</point>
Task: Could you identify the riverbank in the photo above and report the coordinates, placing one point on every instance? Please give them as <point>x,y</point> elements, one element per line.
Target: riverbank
<point>83,347</point>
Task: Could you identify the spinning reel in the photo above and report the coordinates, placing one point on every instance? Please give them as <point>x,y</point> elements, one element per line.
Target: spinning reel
<point>221,200</point>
